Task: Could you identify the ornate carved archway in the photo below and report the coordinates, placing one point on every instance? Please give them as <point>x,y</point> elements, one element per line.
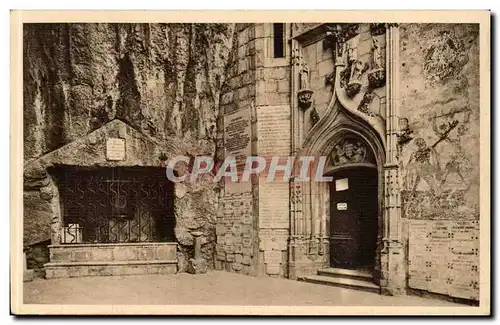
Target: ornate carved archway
<point>347,142</point>
<point>348,116</point>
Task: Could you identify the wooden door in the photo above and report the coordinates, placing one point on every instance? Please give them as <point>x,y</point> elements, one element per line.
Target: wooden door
<point>353,218</point>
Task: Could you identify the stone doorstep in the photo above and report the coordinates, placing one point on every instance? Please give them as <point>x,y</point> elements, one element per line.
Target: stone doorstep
<point>346,273</point>
<point>342,282</point>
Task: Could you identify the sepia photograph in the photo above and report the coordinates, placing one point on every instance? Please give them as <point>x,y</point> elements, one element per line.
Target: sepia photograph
<point>256,163</point>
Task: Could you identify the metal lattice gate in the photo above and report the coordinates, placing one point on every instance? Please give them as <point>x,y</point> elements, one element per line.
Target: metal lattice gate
<point>116,205</point>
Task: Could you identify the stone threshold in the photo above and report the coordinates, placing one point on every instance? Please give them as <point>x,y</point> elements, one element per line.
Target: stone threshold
<point>347,273</point>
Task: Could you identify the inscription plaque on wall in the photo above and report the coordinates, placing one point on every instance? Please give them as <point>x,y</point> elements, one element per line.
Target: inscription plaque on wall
<point>273,204</point>
<point>273,239</point>
<point>341,206</point>
<point>233,235</point>
<point>115,149</point>
<point>444,257</point>
<point>272,259</point>
<point>341,184</point>
<point>237,142</point>
<point>273,130</point>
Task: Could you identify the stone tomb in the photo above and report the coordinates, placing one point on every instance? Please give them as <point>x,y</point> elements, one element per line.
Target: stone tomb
<point>108,206</point>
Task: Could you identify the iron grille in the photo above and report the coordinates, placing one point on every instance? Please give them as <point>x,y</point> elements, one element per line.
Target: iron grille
<point>116,205</point>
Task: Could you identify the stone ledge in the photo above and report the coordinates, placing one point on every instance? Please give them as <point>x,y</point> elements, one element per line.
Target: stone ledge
<point>105,263</point>
<point>52,272</point>
<point>112,252</point>
<point>115,244</point>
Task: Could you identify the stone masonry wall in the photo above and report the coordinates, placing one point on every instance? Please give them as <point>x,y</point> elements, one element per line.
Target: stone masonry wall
<point>257,83</point>
<point>236,217</point>
<point>272,105</point>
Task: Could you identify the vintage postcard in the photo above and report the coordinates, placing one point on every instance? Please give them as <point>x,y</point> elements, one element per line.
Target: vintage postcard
<point>250,163</point>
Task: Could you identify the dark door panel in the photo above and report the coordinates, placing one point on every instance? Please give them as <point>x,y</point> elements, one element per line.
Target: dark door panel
<point>353,219</point>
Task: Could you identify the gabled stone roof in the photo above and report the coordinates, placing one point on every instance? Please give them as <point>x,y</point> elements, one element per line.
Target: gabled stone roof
<point>88,151</point>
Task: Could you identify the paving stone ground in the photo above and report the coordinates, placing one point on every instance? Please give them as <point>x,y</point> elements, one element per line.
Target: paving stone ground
<point>213,288</point>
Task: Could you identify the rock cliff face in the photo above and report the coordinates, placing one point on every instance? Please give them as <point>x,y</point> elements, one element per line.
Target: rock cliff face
<point>163,80</point>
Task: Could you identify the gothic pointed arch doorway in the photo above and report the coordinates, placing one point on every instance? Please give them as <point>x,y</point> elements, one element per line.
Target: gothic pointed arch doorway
<point>354,204</point>
<point>347,226</point>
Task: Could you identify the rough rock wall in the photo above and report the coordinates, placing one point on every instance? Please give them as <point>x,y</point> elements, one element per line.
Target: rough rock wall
<point>164,80</point>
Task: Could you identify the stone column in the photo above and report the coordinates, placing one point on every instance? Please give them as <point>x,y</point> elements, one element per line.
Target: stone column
<point>314,200</point>
<point>51,194</point>
<point>27,273</point>
<point>197,265</point>
<point>295,86</point>
<point>295,186</point>
<point>392,277</point>
<point>325,210</point>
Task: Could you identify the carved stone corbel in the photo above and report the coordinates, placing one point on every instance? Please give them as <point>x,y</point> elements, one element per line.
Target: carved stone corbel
<point>305,98</point>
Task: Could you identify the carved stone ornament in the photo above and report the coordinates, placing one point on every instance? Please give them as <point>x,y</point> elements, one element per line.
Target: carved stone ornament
<point>353,88</point>
<point>305,98</point>
<point>354,85</point>
<point>365,102</point>
<point>380,28</point>
<point>304,94</point>
<point>296,57</point>
<point>376,76</point>
<point>405,134</point>
<point>348,152</point>
<point>304,75</point>
<point>338,34</point>
<point>314,116</point>
<point>377,29</point>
